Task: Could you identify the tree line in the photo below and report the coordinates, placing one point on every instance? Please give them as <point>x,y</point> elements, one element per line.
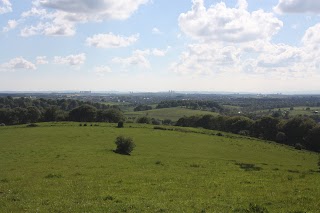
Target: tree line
<point>192,104</point>
<point>26,110</point>
<point>300,132</point>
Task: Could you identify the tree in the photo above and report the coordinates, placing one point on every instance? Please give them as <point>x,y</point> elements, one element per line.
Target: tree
<point>84,113</point>
<point>125,145</point>
<point>110,115</point>
<point>313,139</point>
<point>33,114</point>
<point>238,123</point>
<point>266,128</point>
<point>296,129</point>
<point>144,120</point>
<point>51,114</point>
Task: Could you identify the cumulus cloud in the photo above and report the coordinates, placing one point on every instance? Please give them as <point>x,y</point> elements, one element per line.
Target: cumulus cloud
<point>18,63</point>
<point>156,31</point>
<point>311,38</point>
<point>206,59</point>
<point>140,58</point>
<point>298,6</point>
<point>97,9</point>
<point>42,60</point>
<point>72,60</point>
<point>111,41</point>
<point>220,23</point>
<point>5,6</point>
<point>12,24</point>
<point>52,24</point>
<point>60,17</point>
<point>102,70</point>
<point>212,53</point>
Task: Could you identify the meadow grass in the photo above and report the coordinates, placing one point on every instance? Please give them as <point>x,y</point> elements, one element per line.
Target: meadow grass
<point>169,113</point>
<point>64,167</point>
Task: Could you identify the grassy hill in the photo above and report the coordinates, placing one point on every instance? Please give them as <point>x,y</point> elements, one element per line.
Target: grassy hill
<point>168,113</point>
<point>62,167</point>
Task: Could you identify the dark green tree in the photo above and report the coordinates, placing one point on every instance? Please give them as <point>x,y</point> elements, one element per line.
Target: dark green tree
<point>84,113</point>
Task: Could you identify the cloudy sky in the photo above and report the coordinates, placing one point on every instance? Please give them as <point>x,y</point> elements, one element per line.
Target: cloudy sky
<point>159,45</point>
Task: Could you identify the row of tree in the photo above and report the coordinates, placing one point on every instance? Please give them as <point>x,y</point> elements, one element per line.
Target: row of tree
<point>301,132</point>
<point>83,113</point>
<point>42,104</point>
<point>192,104</point>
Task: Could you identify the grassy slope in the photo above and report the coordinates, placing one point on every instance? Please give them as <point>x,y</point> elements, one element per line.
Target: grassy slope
<point>67,168</point>
<point>169,113</point>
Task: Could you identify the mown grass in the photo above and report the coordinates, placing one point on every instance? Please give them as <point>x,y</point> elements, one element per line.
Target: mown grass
<point>168,113</point>
<point>64,167</point>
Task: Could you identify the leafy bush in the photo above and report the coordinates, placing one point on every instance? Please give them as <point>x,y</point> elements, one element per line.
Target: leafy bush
<point>144,120</point>
<point>120,124</point>
<point>125,145</point>
<point>32,125</point>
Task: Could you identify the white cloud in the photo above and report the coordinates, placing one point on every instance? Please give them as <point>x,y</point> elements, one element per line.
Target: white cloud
<point>52,24</point>
<point>311,38</point>
<point>97,9</point>
<point>111,41</point>
<point>158,52</point>
<point>233,40</point>
<point>60,17</point>
<point>102,70</point>
<point>156,31</point>
<point>5,6</point>
<point>220,23</point>
<point>72,60</point>
<point>207,59</point>
<point>41,60</point>
<point>18,63</point>
<point>12,24</point>
<point>140,58</point>
<point>298,6</point>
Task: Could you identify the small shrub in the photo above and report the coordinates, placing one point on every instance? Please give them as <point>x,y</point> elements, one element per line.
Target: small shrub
<point>32,125</point>
<point>85,125</point>
<point>248,167</point>
<point>253,208</point>
<point>125,145</point>
<point>155,121</point>
<point>80,124</point>
<point>53,176</point>
<point>219,134</point>
<point>159,163</point>
<point>244,132</point>
<point>144,120</point>
<point>298,146</point>
<point>120,124</point>
<point>90,124</point>
<point>96,125</point>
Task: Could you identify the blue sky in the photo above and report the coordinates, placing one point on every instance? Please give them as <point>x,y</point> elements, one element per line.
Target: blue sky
<point>159,45</point>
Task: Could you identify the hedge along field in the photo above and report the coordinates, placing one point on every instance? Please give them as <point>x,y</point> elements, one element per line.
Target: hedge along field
<point>64,167</point>
<point>169,113</point>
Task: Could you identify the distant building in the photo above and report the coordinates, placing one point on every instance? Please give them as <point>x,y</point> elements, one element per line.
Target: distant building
<point>85,92</point>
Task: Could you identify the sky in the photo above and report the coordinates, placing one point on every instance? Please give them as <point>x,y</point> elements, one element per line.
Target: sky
<point>256,46</point>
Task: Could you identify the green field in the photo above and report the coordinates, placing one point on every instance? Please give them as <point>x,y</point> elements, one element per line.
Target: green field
<point>168,113</point>
<point>296,111</point>
<point>62,167</point>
